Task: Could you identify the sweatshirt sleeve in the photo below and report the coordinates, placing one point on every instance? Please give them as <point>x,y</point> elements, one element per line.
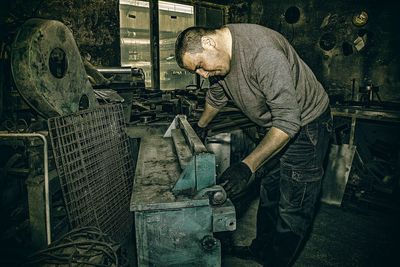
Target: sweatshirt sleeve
<point>274,77</point>
<point>215,95</point>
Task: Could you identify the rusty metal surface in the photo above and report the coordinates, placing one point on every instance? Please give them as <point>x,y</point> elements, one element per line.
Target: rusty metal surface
<point>95,166</point>
<point>156,172</point>
<point>48,70</point>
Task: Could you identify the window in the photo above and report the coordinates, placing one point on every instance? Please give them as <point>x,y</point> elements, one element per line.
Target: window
<point>135,39</point>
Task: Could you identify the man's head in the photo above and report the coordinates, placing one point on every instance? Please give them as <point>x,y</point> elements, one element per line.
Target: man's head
<point>204,51</point>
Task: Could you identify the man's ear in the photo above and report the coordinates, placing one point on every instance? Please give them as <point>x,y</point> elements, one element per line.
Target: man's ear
<point>207,42</point>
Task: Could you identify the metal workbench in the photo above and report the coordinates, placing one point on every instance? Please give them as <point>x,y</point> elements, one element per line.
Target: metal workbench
<point>359,112</point>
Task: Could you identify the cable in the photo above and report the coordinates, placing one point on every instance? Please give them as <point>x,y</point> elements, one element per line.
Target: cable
<point>81,246</point>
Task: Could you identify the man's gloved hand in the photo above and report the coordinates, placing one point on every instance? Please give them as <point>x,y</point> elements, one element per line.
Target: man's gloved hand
<point>236,177</point>
<point>200,131</point>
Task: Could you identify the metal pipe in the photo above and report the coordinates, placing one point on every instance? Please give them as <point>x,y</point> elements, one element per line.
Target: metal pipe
<point>46,174</point>
<point>116,70</point>
<point>154,45</point>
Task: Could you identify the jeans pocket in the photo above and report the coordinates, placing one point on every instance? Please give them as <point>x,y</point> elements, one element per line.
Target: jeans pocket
<point>312,131</point>
<point>298,185</point>
<point>293,192</point>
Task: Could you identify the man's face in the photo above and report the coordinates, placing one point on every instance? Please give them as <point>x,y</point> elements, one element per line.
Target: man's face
<point>210,62</point>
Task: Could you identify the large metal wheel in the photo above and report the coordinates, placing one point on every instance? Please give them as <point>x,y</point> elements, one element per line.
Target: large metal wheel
<point>48,69</point>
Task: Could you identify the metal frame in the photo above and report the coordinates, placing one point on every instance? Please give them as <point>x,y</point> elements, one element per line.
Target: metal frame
<point>42,136</point>
<point>95,166</point>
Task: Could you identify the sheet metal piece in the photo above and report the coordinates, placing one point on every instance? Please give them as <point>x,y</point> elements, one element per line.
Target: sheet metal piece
<point>220,145</point>
<point>95,166</point>
<point>337,173</point>
<point>48,70</point>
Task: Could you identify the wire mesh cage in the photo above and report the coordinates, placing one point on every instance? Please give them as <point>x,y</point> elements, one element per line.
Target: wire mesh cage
<point>94,161</point>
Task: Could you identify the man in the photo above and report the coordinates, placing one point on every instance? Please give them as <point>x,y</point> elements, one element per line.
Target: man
<point>260,71</point>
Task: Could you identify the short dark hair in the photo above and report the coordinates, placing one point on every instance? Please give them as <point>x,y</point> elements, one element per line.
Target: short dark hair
<point>189,41</point>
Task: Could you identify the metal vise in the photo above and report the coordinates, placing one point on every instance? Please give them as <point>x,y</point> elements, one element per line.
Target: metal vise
<point>176,202</point>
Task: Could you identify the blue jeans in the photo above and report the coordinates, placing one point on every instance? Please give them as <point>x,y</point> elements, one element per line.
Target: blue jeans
<point>289,193</point>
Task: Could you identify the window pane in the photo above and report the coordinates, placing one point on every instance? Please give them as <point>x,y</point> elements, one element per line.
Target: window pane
<point>135,39</point>
<point>135,36</point>
<point>173,19</point>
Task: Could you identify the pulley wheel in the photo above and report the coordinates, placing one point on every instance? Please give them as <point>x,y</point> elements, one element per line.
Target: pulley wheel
<point>48,69</point>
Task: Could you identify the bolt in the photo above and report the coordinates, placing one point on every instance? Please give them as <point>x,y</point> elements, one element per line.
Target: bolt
<point>208,242</point>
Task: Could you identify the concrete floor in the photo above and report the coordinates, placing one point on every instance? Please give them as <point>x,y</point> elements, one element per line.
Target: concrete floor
<point>349,236</point>
<point>340,237</point>
<point>244,234</point>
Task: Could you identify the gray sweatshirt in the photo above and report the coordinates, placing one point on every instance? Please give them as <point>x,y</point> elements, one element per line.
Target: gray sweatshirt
<point>268,81</point>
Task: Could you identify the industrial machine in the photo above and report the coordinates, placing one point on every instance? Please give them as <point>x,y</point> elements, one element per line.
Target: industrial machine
<point>49,80</point>
<point>176,203</point>
<point>48,70</point>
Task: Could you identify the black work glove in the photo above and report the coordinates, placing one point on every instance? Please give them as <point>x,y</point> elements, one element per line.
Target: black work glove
<point>236,178</point>
<point>200,131</point>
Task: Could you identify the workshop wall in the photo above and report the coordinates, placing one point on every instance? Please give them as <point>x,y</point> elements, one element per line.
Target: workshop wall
<point>324,35</point>
<point>94,24</point>
<point>335,48</point>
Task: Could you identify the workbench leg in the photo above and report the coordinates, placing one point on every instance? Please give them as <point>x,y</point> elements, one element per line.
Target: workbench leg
<point>36,205</point>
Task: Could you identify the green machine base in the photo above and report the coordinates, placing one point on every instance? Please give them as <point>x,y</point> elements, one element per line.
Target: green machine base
<point>176,202</point>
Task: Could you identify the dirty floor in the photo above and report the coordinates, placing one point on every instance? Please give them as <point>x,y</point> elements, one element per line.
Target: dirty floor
<point>341,236</point>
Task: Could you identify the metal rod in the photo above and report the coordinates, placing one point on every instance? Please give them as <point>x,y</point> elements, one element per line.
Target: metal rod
<point>116,70</point>
<point>154,45</point>
<point>352,130</point>
<point>46,175</point>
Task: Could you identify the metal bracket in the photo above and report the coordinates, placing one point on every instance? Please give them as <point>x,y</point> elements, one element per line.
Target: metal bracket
<point>197,175</point>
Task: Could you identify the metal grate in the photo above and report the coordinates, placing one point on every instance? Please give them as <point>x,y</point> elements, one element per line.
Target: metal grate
<point>95,166</point>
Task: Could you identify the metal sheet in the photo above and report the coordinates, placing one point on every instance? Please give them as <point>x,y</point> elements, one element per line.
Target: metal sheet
<point>157,170</point>
<point>337,173</point>
<point>220,145</point>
